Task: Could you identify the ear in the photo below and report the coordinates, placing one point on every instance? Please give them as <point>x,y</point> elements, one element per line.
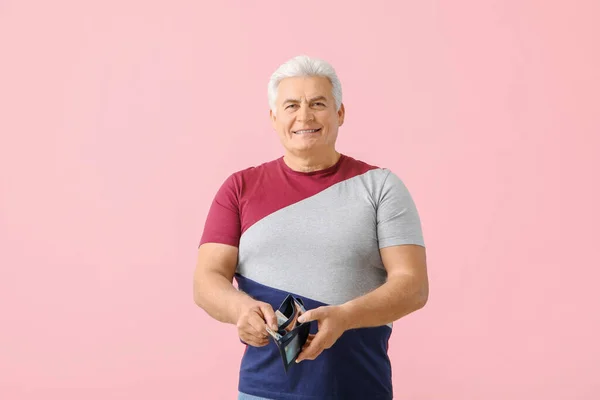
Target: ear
<point>341,114</point>
<point>273,118</point>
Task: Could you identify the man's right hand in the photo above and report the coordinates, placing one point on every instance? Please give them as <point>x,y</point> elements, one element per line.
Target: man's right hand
<point>252,323</point>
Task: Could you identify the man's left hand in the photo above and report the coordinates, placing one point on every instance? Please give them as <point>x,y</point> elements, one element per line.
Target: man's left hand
<point>331,322</point>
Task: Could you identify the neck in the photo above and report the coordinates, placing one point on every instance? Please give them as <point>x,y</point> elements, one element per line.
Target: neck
<point>311,162</point>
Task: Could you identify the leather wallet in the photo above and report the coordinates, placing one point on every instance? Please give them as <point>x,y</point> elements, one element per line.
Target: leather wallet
<point>291,335</point>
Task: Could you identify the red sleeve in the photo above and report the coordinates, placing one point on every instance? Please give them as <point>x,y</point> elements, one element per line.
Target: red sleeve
<point>223,219</point>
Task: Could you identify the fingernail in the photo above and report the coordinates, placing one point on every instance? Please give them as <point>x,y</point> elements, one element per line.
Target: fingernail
<point>298,361</point>
<point>300,319</point>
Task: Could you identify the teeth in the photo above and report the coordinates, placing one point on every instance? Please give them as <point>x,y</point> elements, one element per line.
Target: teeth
<point>307,131</point>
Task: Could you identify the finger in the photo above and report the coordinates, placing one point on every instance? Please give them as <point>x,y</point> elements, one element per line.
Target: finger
<point>309,339</point>
<point>262,342</point>
<point>252,335</point>
<point>269,315</point>
<point>250,331</point>
<point>315,348</point>
<point>247,331</point>
<point>306,317</point>
<point>310,315</point>
<point>305,346</point>
<point>256,342</point>
<point>257,325</point>
<point>310,353</point>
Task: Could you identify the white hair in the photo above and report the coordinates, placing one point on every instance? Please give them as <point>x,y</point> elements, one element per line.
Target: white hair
<point>304,66</point>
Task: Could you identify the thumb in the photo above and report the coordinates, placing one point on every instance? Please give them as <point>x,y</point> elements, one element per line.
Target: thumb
<point>310,315</point>
<point>269,315</point>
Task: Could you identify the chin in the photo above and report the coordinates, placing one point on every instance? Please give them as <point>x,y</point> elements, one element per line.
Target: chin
<point>302,147</point>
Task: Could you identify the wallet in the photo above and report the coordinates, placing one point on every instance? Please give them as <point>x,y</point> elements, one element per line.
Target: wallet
<point>291,335</point>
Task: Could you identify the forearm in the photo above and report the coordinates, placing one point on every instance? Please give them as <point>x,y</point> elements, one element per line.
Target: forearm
<point>216,295</point>
<point>399,296</point>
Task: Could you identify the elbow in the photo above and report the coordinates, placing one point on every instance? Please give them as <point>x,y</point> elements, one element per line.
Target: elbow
<point>197,298</point>
<point>197,293</point>
<point>421,297</point>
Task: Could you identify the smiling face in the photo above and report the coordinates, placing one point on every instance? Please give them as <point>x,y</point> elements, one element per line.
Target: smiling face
<point>306,119</point>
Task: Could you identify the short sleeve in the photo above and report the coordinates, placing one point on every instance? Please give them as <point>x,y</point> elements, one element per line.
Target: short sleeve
<point>223,219</point>
<point>398,221</point>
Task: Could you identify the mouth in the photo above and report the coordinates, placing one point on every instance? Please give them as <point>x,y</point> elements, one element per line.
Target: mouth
<point>306,131</point>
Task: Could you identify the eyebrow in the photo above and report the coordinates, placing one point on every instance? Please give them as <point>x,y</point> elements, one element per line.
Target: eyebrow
<point>310,101</point>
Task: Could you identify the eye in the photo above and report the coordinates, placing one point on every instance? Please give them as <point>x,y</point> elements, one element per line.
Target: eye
<point>320,104</point>
<point>291,105</point>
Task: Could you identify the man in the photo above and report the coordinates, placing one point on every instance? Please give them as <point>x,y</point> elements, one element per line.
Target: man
<point>342,235</point>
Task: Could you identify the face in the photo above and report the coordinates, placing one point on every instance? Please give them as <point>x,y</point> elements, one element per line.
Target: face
<point>306,118</point>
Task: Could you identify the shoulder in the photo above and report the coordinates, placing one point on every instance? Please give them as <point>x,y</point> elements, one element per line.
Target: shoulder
<point>251,174</point>
<point>258,169</point>
<point>355,163</point>
<point>381,181</point>
<point>374,174</point>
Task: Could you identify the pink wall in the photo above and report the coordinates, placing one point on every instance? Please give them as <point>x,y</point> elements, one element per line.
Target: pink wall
<point>119,120</point>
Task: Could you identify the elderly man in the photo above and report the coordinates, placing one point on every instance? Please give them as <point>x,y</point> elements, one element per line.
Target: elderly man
<point>340,234</point>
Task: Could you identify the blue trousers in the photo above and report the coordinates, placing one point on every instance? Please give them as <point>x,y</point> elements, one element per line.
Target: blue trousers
<point>244,396</point>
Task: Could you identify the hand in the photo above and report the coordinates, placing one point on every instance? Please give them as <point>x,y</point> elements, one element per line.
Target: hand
<point>252,323</point>
<point>331,322</point>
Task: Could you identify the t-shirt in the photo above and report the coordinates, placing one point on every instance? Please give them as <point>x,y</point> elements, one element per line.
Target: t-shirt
<point>317,236</point>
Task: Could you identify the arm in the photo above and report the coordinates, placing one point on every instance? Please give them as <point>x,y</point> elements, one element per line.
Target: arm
<point>213,277</point>
<point>406,290</point>
<point>403,255</point>
<point>214,292</point>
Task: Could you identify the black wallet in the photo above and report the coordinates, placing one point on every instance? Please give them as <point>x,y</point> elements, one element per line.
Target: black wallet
<point>291,335</point>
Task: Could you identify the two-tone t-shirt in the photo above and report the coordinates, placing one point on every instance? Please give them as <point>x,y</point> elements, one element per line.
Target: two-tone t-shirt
<point>316,235</point>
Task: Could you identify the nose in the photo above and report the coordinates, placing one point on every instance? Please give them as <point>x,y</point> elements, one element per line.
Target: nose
<point>305,114</point>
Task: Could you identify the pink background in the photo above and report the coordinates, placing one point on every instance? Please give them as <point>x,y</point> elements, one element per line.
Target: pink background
<point>119,120</point>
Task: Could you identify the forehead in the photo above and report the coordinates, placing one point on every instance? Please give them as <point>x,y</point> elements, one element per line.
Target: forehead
<point>304,87</point>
